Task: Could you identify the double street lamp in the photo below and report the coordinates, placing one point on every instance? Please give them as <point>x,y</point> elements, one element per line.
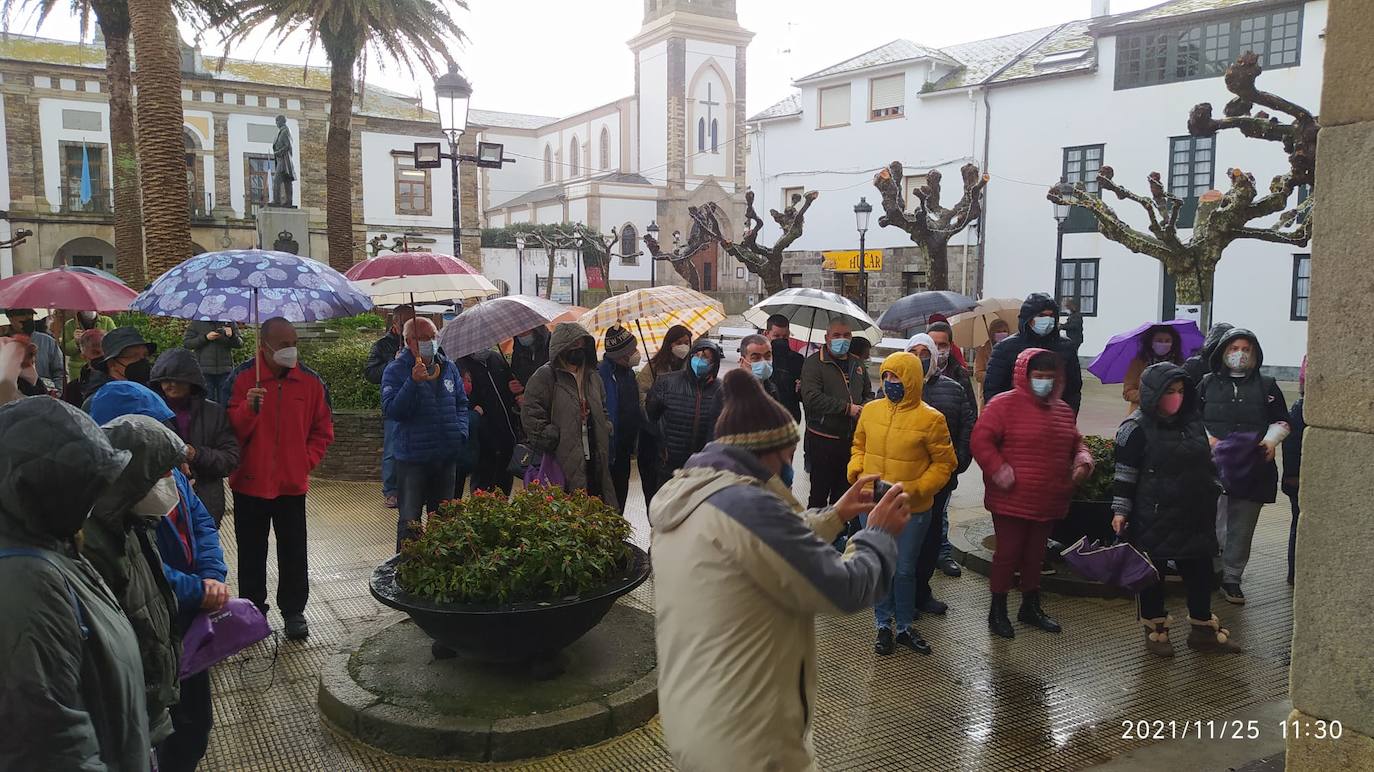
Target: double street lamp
<point>652,230</point>
<point>1061,215</point>
<point>861,212</point>
<point>454,93</point>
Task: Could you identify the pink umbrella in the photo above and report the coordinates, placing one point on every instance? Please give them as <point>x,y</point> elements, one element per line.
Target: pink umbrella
<point>64,287</point>
<point>408,264</point>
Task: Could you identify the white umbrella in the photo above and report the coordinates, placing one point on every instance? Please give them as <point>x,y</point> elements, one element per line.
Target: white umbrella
<point>811,311</point>
<point>971,327</point>
<point>433,288</point>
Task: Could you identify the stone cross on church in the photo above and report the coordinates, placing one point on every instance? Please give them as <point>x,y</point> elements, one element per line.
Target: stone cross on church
<point>709,104</point>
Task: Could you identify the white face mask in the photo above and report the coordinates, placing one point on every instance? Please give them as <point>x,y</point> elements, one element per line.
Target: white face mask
<point>427,348</point>
<point>681,350</point>
<point>285,357</point>
<point>1238,360</point>
<point>160,500</point>
<point>1042,325</point>
<point>1042,386</point>
<point>632,359</point>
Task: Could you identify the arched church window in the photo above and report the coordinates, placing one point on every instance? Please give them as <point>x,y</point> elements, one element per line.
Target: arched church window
<point>628,237</point>
<point>548,163</point>
<point>701,134</point>
<point>714,127</point>
<point>605,148</point>
<point>574,158</point>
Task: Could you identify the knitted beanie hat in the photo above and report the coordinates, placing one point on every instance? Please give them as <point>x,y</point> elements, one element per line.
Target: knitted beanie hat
<point>619,341</point>
<point>751,419</point>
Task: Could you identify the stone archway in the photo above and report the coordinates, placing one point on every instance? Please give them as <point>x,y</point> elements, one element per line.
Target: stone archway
<point>88,251</point>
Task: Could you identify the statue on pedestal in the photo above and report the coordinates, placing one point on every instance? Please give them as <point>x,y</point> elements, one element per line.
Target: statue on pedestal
<point>283,167</point>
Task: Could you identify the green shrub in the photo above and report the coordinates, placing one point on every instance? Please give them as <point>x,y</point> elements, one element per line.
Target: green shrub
<point>1098,487</point>
<point>367,321</point>
<point>165,331</point>
<point>340,363</point>
<point>542,544</point>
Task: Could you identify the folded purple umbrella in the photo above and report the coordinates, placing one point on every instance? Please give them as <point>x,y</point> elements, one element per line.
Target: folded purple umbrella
<point>1111,365</point>
<point>1118,565</point>
<point>1241,465</point>
<point>215,636</point>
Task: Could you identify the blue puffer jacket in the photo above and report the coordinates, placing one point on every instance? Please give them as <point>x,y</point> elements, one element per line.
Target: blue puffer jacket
<point>186,576</point>
<point>431,417</point>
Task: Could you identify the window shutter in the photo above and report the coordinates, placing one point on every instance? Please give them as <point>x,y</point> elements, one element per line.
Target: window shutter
<point>888,95</point>
<point>835,106</point>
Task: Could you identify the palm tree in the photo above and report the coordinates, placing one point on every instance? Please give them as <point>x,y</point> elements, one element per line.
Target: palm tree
<point>409,31</point>
<point>112,16</point>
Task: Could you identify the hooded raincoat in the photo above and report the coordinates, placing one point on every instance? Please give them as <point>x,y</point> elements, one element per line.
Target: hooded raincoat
<point>1039,438</point>
<point>685,406</point>
<point>904,442</point>
<point>739,576</point>
<point>71,699</point>
<point>208,429</point>
<point>1004,358</point>
<point>552,412</point>
<point>1165,483</point>
<point>1251,403</point>
<point>1200,363</point>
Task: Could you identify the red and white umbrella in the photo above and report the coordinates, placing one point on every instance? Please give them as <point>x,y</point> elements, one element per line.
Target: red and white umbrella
<point>64,287</point>
<point>419,277</point>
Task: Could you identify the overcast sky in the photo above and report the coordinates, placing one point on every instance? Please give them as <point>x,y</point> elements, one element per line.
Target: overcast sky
<point>556,57</point>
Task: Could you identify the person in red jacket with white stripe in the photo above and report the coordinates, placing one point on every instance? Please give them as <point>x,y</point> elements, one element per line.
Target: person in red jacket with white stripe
<point>1028,446</point>
<point>284,425</point>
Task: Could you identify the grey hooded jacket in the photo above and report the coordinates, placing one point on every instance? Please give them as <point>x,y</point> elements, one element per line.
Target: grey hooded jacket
<point>123,548</point>
<point>69,701</point>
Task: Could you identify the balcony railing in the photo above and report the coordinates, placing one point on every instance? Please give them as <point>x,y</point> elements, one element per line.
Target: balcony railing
<point>101,200</point>
<point>202,204</point>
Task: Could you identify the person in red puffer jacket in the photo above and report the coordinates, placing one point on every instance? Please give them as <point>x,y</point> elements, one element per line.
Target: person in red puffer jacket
<point>1028,446</point>
<point>280,413</point>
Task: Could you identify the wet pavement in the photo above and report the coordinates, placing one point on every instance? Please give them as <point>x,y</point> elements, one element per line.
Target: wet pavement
<point>1038,702</point>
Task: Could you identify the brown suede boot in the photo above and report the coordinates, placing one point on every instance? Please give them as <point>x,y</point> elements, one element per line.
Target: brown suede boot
<point>1157,636</point>
<point>1210,637</point>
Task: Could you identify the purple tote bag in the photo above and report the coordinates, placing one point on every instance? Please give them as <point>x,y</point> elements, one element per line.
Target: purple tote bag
<point>549,473</point>
<point>1119,565</point>
<point>214,636</point>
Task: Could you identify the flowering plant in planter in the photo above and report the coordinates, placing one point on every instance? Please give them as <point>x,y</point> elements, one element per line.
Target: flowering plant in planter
<point>542,544</point>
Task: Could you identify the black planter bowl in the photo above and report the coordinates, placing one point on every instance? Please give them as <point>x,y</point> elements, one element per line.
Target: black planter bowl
<point>512,632</point>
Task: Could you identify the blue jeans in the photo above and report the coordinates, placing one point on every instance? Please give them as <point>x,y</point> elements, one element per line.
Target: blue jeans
<point>217,388</point>
<point>388,460</point>
<point>899,605</point>
<point>423,486</point>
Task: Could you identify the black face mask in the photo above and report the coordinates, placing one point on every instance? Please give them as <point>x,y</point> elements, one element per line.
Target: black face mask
<point>139,372</point>
<point>28,327</point>
<point>576,357</point>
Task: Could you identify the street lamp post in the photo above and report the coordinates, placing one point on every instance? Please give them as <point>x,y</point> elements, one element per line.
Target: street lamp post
<point>454,93</point>
<point>1061,215</point>
<point>861,212</point>
<point>520,263</point>
<point>652,230</point>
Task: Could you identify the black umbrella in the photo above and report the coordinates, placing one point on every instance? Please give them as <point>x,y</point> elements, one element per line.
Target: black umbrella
<point>911,313</point>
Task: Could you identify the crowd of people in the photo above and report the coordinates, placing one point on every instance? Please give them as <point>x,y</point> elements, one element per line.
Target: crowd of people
<point>741,565</point>
<point>113,471</point>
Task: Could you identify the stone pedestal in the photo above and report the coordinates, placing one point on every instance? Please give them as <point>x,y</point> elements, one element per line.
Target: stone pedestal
<point>386,689</point>
<point>274,220</point>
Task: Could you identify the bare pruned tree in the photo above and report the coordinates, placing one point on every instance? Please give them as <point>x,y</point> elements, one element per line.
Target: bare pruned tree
<point>931,224</point>
<point>1221,218</point>
<point>763,261</point>
<point>681,256</point>
<point>561,238</point>
<point>598,250</point>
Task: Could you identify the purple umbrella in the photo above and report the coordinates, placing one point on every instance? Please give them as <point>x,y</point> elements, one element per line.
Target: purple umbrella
<point>1111,365</point>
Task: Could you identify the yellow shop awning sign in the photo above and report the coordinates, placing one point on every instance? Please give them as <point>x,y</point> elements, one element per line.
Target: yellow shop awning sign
<point>848,260</point>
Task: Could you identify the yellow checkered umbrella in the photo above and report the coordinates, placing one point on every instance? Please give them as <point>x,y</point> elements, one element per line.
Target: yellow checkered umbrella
<point>651,311</point>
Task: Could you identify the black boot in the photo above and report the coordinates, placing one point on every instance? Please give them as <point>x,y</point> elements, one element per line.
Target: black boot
<point>1033,615</point>
<point>998,622</point>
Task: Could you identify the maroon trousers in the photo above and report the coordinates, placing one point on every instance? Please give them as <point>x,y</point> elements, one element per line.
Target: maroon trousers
<point>1020,547</point>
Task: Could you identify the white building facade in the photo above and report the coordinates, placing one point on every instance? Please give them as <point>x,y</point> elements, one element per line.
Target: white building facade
<point>641,160</point>
<point>1039,106</point>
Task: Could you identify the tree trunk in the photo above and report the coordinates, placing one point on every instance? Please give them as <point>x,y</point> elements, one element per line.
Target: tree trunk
<point>772,276</point>
<point>548,283</point>
<point>128,206</point>
<point>160,142</point>
<point>937,265</point>
<point>338,173</point>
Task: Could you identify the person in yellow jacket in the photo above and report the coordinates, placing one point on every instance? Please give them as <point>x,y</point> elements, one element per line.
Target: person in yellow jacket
<point>903,440</point>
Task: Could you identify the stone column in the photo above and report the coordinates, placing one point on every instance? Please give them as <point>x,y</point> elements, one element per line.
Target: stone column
<point>468,205</point>
<point>1332,675</point>
<point>224,206</point>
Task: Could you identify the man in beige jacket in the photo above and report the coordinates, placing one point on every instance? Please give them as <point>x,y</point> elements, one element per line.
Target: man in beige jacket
<point>739,575</point>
